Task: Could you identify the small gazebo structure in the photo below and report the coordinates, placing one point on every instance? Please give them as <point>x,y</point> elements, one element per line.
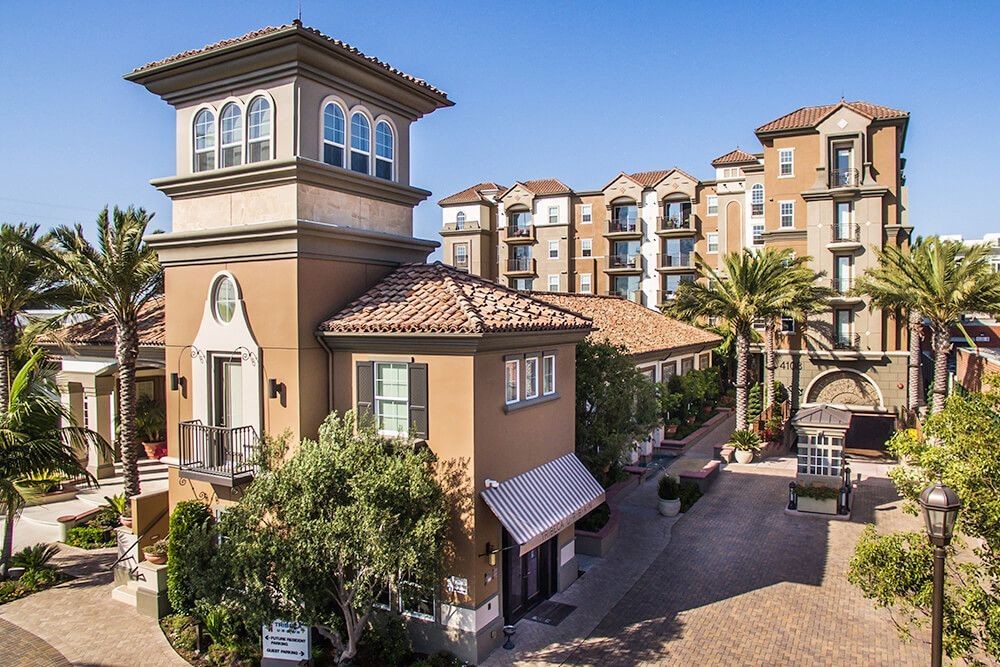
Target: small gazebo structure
<point>820,431</point>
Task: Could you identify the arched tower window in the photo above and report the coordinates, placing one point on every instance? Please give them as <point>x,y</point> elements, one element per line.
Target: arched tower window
<point>757,200</point>
<point>333,135</point>
<point>384,145</point>
<point>361,131</point>
<point>204,140</point>
<point>460,220</point>
<point>259,130</point>
<point>231,120</point>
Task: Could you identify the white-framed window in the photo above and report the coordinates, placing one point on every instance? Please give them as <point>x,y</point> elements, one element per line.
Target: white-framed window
<point>713,205</point>
<point>554,282</point>
<point>787,324</point>
<point>732,172</point>
<point>704,360</point>
<point>758,233</point>
<point>668,369</point>
<point>384,150</point>
<point>820,454</point>
<point>757,200</point>
<point>786,162</point>
<point>786,210</point>
<point>713,241</point>
<point>586,247</point>
<point>553,215</point>
<point>530,378</point>
<point>712,321</point>
<point>548,374</point>
<point>231,120</point>
<point>585,286</point>
<point>334,134</point>
<point>259,130</point>
<point>512,381</point>
<point>553,249</point>
<point>460,220</point>
<point>392,396</point>
<point>586,214</point>
<point>204,140</point>
<point>687,365</point>
<point>361,143</point>
<point>224,299</point>
<point>461,255</point>
<point>417,601</point>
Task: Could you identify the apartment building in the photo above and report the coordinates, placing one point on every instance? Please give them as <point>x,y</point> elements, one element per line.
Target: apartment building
<point>294,287</point>
<point>827,182</point>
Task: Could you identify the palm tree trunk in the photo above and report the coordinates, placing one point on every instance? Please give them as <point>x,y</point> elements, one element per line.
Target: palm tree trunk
<point>127,351</point>
<point>742,377</point>
<point>770,363</point>
<point>8,337</point>
<point>8,541</point>
<point>916,322</point>
<point>942,346</point>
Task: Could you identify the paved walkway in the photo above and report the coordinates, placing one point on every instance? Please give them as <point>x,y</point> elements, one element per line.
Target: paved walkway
<point>78,623</point>
<point>737,582</point>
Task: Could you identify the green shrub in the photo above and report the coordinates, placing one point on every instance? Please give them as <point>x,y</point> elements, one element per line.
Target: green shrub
<point>106,518</point>
<point>190,549</point>
<point>9,591</point>
<point>595,519</point>
<point>118,505</point>
<point>669,489</point>
<point>816,492</point>
<point>90,537</point>
<point>180,631</point>
<point>35,557</point>
<point>442,659</point>
<point>30,582</point>
<point>755,402</point>
<point>387,642</point>
<point>745,440</point>
<point>689,494</point>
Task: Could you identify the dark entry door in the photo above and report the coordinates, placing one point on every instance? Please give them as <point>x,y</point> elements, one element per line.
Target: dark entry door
<point>527,579</point>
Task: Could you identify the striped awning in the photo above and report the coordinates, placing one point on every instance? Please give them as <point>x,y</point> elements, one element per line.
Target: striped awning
<point>538,504</point>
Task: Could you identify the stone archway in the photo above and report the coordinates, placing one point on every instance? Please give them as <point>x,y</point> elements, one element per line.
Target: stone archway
<point>844,388</point>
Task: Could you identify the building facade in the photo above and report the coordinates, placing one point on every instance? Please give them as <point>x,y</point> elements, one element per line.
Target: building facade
<point>294,287</point>
<point>828,183</point>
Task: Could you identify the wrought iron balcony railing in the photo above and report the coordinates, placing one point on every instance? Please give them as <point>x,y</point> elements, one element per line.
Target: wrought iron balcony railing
<point>521,265</point>
<point>519,232</point>
<point>842,286</point>
<point>461,226</point>
<point>844,178</point>
<point>624,227</point>
<point>847,342</point>
<point>625,261</point>
<point>846,232</point>
<point>675,223</point>
<point>217,454</point>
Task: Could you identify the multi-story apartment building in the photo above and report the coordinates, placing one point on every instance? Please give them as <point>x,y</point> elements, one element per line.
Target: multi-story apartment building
<point>828,183</point>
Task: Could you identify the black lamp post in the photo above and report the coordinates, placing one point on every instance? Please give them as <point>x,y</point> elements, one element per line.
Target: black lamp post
<point>941,506</point>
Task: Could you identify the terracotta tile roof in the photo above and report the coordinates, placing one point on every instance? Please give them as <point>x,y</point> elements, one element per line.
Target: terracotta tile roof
<point>472,195</point>
<point>438,299</point>
<point>622,322</point>
<point>288,27</point>
<point>736,156</point>
<point>811,116</point>
<point>649,178</point>
<point>101,330</point>
<point>543,186</point>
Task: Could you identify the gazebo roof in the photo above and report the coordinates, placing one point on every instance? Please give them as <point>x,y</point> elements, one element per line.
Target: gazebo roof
<point>822,415</point>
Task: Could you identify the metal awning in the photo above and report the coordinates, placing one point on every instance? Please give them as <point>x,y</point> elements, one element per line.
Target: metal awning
<point>536,505</point>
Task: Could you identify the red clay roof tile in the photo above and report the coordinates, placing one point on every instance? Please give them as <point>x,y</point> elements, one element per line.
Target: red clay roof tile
<point>472,195</point>
<point>807,117</point>
<point>736,156</point>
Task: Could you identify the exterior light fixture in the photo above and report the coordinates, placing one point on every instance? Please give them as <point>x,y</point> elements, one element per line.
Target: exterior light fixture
<point>941,506</point>
<point>273,387</point>
<point>491,554</point>
<point>175,381</point>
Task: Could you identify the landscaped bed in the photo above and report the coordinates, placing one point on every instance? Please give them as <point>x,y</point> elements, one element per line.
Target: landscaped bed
<point>99,532</point>
<point>38,573</point>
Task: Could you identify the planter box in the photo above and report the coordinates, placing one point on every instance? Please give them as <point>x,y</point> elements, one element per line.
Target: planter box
<point>825,506</point>
<point>599,543</point>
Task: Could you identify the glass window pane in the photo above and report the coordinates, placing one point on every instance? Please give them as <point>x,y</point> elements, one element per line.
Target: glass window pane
<point>333,124</point>
<point>360,133</point>
<point>359,162</point>
<point>383,140</point>
<point>511,380</point>
<point>383,169</point>
<point>333,155</point>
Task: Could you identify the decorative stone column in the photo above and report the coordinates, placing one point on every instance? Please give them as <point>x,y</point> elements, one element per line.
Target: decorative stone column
<point>71,397</point>
<point>100,399</point>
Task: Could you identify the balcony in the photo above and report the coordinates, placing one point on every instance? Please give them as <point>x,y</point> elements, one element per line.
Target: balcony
<point>623,229</point>
<point>631,295</point>
<point>845,236</point>
<point>625,263</point>
<point>216,454</point>
<point>844,178</point>
<point>522,234</point>
<point>842,291</point>
<point>675,226</point>
<point>454,228</point>
<point>674,263</point>
<point>850,342</point>
<point>521,265</point>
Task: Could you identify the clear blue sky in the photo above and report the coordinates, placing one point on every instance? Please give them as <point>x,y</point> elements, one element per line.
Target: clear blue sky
<point>573,90</point>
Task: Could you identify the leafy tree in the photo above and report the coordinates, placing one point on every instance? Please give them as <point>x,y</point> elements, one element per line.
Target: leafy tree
<point>616,405</point>
<point>27,280</point>
<point>958,446</point>
<point>941,281</point>
<point>750,285</point>
<point>191,550</point>
<point>32,442</point>
<point>116,279</point>
<point>317,539</point>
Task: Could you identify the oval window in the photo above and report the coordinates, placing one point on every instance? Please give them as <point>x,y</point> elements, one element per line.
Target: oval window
<point>224,299</point>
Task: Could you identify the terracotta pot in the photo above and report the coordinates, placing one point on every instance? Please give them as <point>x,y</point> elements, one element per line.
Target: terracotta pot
<point>125,521</point>
<point>670,429</point>
<point>155,450</point>
<point>155,560</point>
<point>744,456</point>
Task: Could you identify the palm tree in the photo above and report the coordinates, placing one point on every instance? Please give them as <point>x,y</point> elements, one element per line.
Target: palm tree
<point>33,442</point>
<point>116,279</point>
<point>28,279</point>
<point>940,281</point>
<point>797,295</point>
<point>755,285</point>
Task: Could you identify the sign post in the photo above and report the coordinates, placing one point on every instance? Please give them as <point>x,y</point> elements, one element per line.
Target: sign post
<point>285,643</point>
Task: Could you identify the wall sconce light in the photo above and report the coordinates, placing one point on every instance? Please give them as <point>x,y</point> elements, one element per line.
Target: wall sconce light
<point>273,387</point>
<point>175,381</point>
<point>491,554</point>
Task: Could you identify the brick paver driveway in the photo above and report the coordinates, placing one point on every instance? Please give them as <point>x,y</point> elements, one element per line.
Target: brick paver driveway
<point>743,583</point>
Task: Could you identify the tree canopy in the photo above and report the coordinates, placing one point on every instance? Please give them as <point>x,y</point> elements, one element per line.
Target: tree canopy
<point>957,446</point>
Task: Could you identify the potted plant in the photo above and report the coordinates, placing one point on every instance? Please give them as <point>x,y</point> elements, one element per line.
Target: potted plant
<point>156,553</point>
<point>119,507</point>
<point>669,492</point>
<point>150,421</point>
<point>816,498</point>
<point>746,443</point>
<point>670,428</point>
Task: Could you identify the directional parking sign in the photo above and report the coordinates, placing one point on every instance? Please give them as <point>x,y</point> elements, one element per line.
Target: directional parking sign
<point>283,640</point>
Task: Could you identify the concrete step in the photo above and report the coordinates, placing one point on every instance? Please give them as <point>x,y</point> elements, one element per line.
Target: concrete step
<point>125,594</point>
